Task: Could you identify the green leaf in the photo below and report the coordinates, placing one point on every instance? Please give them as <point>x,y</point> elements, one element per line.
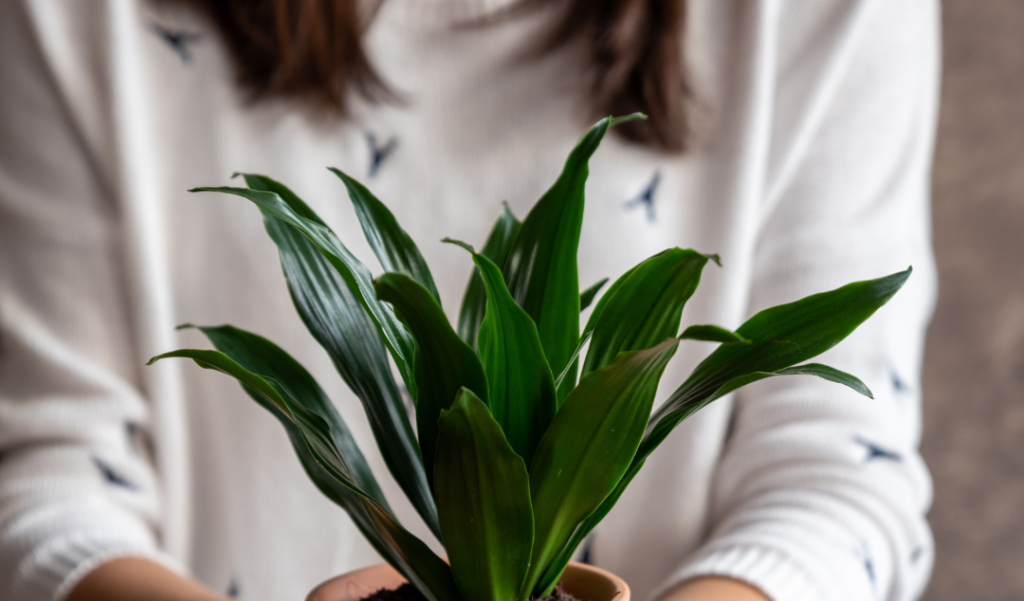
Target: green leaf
<point>587,449</point>
<point>521,391</point>
<point>828,373</point>
<point>779,338</point>
<point>483,500</point>
<point>613,121</point>
<point>355,274</point>
<point>496,248</point>
<point>603,301</point>
<point>443,363</point>
<point>324,460</point>
<point>218,361</point>
<point>541,268</point>
<point>645,306</point>
<point>587,296</point>
<point>409,555</point>
<point>341,325</point>
<point>258,355</point>
<point>785,335</point>
<point>810,369</point>
<point>394,248</point>
<point>709,333</point>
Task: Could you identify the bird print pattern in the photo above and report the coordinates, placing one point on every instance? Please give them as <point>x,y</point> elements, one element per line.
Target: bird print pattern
<point>179,41</point>
<point>876,452</point>
<point>646,198</point>
<point>111,475</point>
<point>379,153</point>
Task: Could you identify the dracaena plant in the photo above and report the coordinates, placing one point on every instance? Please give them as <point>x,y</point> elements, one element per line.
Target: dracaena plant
<point>519,448</point>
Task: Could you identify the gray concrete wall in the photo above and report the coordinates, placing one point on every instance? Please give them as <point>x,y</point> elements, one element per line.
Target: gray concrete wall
<point>974,367</point>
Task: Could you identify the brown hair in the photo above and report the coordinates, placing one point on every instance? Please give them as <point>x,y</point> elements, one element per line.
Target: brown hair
<point>312,50</point>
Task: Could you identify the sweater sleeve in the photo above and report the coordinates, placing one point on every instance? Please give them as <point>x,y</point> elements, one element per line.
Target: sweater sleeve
<point>77,486</point>
<point>821,494</point>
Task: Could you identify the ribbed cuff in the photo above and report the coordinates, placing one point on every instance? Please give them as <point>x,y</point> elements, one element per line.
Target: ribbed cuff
<point>53,571</point>
<point>768,570</point>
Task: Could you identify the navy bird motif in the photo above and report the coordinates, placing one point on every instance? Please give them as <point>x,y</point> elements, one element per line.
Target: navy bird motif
<point>869,565</point>
<point>179,41</point>
<point>137,440</point>
<point>233,589</point>
<point>378,154</point>
<point>917,553</point>
<point>111,476</point>
<point>897,383</point>
<point>131,431</point>
<point>876,452</point>
<point>646,198</point>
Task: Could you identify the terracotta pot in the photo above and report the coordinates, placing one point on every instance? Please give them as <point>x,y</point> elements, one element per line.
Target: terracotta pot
<point>584,582</point>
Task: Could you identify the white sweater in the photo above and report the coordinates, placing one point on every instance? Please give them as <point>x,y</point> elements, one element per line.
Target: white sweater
<point>812,170</point>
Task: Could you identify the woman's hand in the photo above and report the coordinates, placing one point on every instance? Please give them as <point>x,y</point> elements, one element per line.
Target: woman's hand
<point>137,579</point>
<point>714,588</point>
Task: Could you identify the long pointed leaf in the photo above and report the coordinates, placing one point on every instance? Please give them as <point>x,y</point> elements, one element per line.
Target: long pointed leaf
<point>588,448</point>
<point>709,333</point>
<point>394,248</point>
<point>645,307</point>
<point>483,500</point>
<point>785,335</point>
<point>314,442</point>
<point>779,338</point>
<point>443,363</point>
<point>315,430</point>
<point>541,268</point>
<point>588,295</point>
<point>496,248</point>
<point>355,274</point>
<point>340,323</point>
<point>261,356</point>
<point>521,390</point>
<point>831,374</point>
<point>603,301</point>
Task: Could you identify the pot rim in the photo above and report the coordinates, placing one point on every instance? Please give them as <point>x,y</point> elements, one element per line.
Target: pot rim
<point>576,573</point>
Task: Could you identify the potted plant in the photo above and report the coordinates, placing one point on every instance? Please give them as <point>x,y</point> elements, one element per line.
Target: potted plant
<point>520,448</point>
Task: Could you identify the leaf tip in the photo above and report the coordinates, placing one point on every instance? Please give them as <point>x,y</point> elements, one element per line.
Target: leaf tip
<point>895,282</point>
<point>714,257</point>
<point>341,174</point>
<point>638,116</point>
<point>506,211</point>
<point>468,247</point>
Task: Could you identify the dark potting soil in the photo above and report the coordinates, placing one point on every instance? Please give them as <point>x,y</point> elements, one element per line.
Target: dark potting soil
<point>408,592</point>
<point>559,595</point>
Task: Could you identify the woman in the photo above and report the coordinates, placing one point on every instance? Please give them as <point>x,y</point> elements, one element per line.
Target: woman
<point>807,167</point>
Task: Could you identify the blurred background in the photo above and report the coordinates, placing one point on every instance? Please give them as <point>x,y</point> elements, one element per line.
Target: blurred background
<point>974,366</point>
